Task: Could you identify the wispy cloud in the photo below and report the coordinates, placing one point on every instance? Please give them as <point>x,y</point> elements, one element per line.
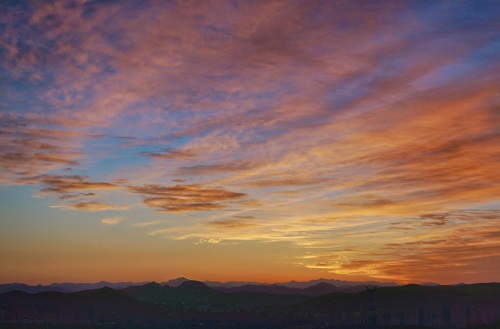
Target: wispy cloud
<point>179,198</point>
<point>91,206</point>
<point>68,183</point>
<point>312,123</point>
<point>443,252</point>
<point>149,223</point>
<point>74,196</point>
<point>27,151</point>
<point>233,224</point>
<point>112,220</point>
<point>169,154</point>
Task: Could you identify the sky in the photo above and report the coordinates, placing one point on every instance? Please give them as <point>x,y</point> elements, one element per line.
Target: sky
<point>249,140</point>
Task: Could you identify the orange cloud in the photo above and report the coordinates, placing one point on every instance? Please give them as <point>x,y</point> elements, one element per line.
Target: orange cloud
<point>179,198</point>
<point>337,129</point>
<point>74,196</point>
<point>461,248</point>
<point>26,150</point>
<point>233,224</point>
<point>170,154</point>
<point>65,184</point>
<point>91,206</point>
<point>112,220</point>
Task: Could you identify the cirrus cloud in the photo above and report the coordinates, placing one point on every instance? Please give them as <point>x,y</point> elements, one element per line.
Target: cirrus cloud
<point>91,206</point>
<point>180,198</point>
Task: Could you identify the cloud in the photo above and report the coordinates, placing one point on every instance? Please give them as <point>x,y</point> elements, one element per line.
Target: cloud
<point>170,154</point>
<point>91,206</point>
<point>233,224</point>
<point>213,169</point>
<point>68,183</point>
<point>285,181</point>
<point>244,217</point>
<point>179,198</point>
<point>460,249</point>
<point>112,220</point>
<point>459,254</point>
<point>149,223</point>
<point>210,241</point>
<point>26,151</point>
<point>74,196</point>
<point>434,219</point>
<point>336,126</point>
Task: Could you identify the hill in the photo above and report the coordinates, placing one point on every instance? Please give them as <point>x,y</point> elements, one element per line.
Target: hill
<point>193,304</point>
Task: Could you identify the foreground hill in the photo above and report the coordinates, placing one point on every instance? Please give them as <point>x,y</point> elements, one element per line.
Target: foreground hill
<point>426,306</point>
<point>195,295</point>
<point>195,305</point>
<point>101,306</point>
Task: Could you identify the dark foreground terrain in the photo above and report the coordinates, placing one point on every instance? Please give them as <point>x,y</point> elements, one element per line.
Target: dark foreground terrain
<point>194,305</point>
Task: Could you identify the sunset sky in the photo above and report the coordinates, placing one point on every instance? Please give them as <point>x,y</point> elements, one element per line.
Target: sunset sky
<point>249,140</point>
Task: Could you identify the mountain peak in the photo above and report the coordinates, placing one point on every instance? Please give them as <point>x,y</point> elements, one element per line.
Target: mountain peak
<point>323,284</point>
<point>175,282</point>
<point>153,284</point>
<point>192,284</point>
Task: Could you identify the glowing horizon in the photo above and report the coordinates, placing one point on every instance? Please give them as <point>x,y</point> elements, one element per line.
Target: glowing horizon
<point>249,141</point>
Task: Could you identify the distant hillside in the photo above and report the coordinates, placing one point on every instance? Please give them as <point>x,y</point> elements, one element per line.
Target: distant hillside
<point>337,283</point>
<point>73,287</point>
<point>196,295</point>
<point>178,281</point>
<point>193,304</point>
<point>175,282</point>
<point>27,288</point>
<point>314,287</point>
<point>65,287</point>
<point>316,290</point>
<point>291,284</point>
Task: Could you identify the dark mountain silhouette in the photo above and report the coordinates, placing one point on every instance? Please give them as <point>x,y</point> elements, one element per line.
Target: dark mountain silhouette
<point>196,286</point>
<point>259,288</point>
<point>178,281</point>
<point>175,282</point>
<point>316,290</point>
<point>430,284</point>
<point>195,295</point>
<point>429,306</point>
<point>27,288</point>
<point>101,306</point>
<point>321,288</point>
<point>66,287</point>
<point>149,289</point>
<point>291,284</point>
<point>73,287</point>
<point>337,283</point>
<point>193,305</point>
<point>230,284</point>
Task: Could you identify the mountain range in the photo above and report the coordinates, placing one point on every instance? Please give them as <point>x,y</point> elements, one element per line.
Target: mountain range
<point>193,304</point>
<point>347,286</point>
